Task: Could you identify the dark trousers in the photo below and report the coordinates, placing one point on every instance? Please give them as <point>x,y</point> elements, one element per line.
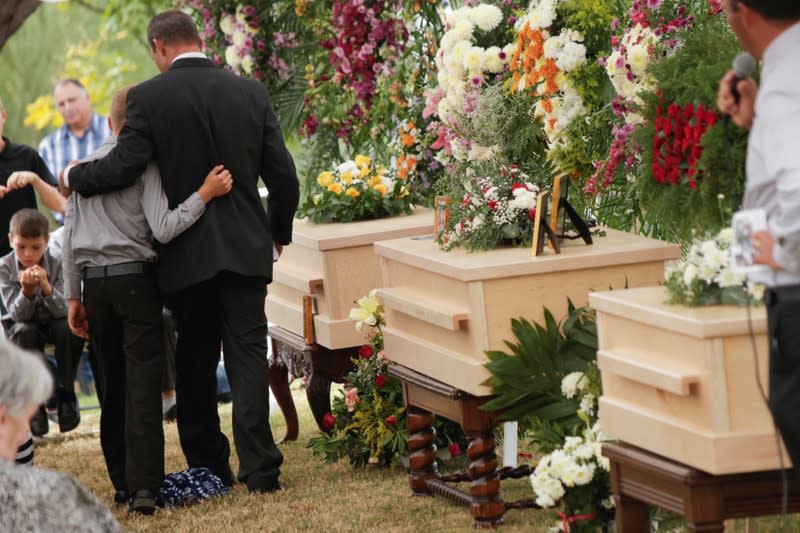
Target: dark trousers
<point>33,335</point>
<point>124,314</point>
<point>783,318</point>
<point>227,309</point>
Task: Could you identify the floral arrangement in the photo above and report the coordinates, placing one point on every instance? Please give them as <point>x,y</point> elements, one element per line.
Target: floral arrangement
<point>491,208</point>
<point>368,419</point>
<point>414,156</point>
<point>705,277</point>
<point>555,62</point>
<point>358,190</point>
<point>550,383</point>
<point>669,147</point>
<point>243,37</point>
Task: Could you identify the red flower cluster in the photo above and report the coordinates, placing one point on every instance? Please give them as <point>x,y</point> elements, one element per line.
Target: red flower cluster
<point>676,142</point>
<point>380,381</point>
<point>391,421</point>
<point>454,449</point>
<point>366,351</point>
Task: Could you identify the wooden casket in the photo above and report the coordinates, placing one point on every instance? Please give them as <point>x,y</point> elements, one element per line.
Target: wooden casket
<point>335,264</point>
<point>681,381</point>
<point>445,309</point>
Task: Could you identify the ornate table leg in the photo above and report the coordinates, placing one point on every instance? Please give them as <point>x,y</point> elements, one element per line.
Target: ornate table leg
<point>487,507</point>
<point>422,460</point>
<point>327,366</point>
<point>632,516</point>
<point>279,384</point>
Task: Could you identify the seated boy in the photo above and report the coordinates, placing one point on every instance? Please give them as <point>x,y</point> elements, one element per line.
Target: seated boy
<point>31,287</point>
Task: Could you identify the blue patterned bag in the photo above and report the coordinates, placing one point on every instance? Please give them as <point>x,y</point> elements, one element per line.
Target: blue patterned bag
<point>188,487</point>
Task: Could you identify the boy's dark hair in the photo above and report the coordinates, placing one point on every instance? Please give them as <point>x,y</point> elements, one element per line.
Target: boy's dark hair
<point>173,27</point>
<point>29,224</point>
<point>773,9</point>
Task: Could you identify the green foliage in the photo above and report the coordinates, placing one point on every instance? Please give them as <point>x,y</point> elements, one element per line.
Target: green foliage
<point>691,75</point>
<point>527,380</point>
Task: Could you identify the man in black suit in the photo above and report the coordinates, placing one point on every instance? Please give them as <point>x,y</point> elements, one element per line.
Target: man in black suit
<point>189,118</point>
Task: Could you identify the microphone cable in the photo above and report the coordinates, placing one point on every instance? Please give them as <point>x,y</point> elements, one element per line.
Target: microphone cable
<point>784,477</point>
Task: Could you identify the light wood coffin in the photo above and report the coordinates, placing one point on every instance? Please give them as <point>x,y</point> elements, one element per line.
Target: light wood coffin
<point>681,381</point>
<point>445,309</point>
<point>335,264</point>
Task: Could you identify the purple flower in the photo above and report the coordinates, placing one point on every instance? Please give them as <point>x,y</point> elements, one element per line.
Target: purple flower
<point>249,10</point>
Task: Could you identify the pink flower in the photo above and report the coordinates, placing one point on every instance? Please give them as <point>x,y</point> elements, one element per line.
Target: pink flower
<point>351,398</point>
<point>391,421</point>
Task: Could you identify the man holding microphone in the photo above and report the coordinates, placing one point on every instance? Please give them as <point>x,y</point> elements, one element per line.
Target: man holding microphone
<point>770,31</point>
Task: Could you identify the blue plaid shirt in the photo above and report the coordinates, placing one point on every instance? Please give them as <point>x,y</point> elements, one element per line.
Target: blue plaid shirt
<point>62,146</point>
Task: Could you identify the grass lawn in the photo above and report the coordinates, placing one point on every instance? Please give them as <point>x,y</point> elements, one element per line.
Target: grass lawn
<point>318,497</point>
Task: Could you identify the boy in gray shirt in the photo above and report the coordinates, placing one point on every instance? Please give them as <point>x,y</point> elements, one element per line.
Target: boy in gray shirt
<point>108,245</point>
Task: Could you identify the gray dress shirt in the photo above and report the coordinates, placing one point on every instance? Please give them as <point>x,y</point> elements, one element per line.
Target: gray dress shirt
<point>773,157</point>
<point>40,308</point>
<point>119,227</point>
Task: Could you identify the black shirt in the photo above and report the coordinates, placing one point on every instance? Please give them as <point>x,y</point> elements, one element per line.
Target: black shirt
<point>16,157</point>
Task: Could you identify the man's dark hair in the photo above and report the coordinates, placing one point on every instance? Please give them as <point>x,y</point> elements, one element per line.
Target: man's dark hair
<point>29,224</point>
<point>773,9</point>
<point>173,27</point>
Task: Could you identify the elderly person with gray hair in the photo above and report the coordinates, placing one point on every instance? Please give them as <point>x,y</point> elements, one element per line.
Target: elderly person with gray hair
<point>26,494</point>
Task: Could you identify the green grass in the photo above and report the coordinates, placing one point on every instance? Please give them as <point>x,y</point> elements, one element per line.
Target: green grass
<point>317,497</point>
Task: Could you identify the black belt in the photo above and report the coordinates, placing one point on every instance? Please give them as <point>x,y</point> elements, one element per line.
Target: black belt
<point>785,292</point>
<point>121,269</point>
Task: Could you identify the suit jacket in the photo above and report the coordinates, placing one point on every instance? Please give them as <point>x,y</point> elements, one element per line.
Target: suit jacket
<point>190,118</point>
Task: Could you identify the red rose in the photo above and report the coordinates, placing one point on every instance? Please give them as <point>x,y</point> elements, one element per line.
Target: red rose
<point>391,420</point>
<point>365,352</point>
<point>328,421</point>
<point>532,214</point>
<point>380,381</point>
<point>454,449</point>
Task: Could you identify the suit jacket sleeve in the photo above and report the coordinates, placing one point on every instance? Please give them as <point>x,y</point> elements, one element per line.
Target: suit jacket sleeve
<point>280,178</point>
<point>125,163</point>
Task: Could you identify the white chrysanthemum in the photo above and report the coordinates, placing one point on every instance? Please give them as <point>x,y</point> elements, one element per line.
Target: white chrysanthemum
<point>232,57</point>
<point>730,278</point>
<point>584,474</point>
<point>492,61</point>
<point>463,30</point>
<point>226,24</point>
<point>572,383</point>
<point>486,16</point>
<point>348,166</point>
<point>473,59</point>
<point>457,15</point>
<point>756,290</point>
<point>239,38</point>
<point>247,64</point>
<point>638,59</point>
<point>572,56</point>
<point>477,221</point>
<point>689,274</point>
<point>523,199</point>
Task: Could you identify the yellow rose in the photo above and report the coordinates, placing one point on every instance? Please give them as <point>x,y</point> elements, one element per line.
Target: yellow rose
<point>352,191</point>
<point>335,187</point>
<point>404,191</point>
<point>381,189</point>
<point>325,179</point>
<point>363,161</point>
<point>372,182</point>
<point>346,177</point>
<point>364,172</point>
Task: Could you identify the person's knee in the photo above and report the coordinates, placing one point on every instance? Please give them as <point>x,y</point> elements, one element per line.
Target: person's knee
<point>62,333</point>
<point>27,335</point>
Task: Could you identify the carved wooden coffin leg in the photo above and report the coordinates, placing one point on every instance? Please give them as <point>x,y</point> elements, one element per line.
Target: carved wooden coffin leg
<point>279,384</point>
<point>487,507</point>
<point>422,461</point>
<point>318,392</point>
<point>632,516</point>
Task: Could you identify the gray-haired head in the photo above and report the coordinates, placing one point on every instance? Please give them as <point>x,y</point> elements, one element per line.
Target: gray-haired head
<point>24,379</point>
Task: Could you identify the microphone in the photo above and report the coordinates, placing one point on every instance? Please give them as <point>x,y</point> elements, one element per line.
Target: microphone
<point>743,67</point>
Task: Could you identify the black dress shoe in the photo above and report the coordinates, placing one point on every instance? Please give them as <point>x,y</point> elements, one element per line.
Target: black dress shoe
<point>122,496</point>
<point>143,502</point>
<point>267,489</point>
<point>68,414</point>
<point>39,423</point>
<point>225,475</point>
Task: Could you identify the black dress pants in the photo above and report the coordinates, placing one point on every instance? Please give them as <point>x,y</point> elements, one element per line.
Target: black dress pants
<point>124,314</point>
<point>783,318</point>
<point>226,309</point>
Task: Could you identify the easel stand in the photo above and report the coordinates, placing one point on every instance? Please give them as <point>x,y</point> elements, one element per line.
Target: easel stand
<point>640,478</point>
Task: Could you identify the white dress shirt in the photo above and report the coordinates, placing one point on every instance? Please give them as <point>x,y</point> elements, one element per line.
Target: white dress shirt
<point>773,156</point>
